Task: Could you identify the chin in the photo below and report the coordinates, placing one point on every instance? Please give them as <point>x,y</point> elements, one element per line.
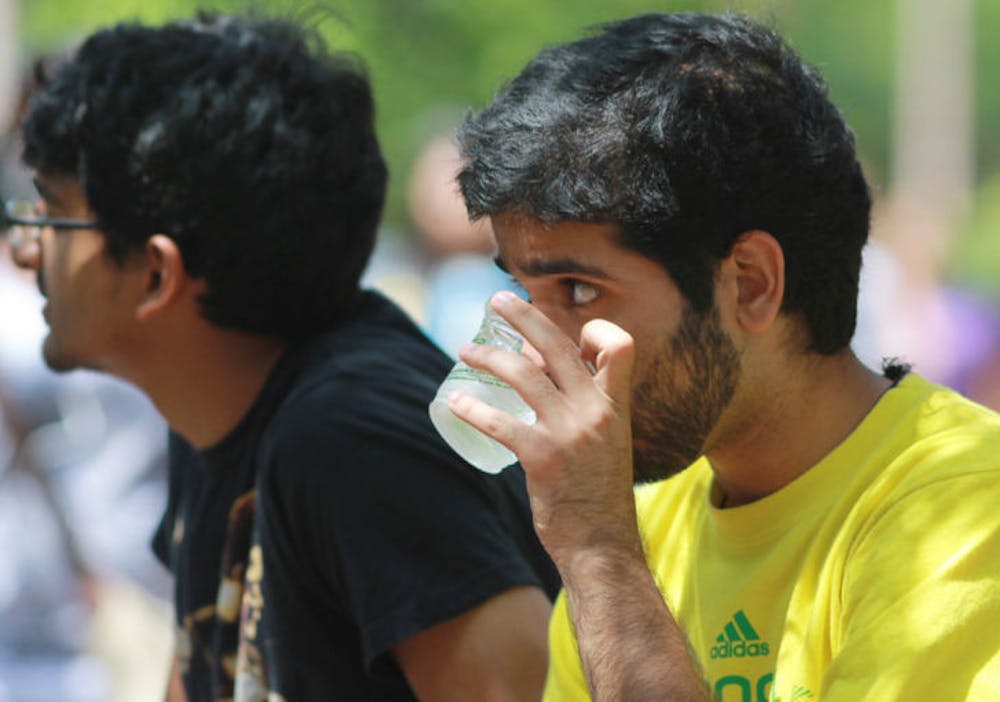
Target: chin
<point>57,359</point>
<point>60,365</point>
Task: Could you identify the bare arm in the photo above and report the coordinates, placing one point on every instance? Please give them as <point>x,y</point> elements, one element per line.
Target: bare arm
<point>496,652</point>
<point>578,461</point>
<point>630,645</point>
<point>175,688</point>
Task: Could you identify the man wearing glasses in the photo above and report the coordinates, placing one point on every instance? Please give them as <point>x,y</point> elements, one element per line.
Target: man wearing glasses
<point>209,195</point>
<point>25,221</point>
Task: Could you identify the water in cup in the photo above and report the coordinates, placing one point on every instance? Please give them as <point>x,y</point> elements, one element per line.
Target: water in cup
<point>475,447</point>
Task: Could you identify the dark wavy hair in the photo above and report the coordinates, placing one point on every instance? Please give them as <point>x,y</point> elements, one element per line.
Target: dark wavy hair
<point>685,130</point>
<point>244,140</point>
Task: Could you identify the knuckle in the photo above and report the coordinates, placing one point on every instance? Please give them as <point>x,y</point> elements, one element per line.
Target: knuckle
<point>604,418</point>
<point>494,425</point>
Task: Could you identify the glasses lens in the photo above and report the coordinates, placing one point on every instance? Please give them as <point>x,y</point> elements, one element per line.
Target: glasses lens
<point>22,209</point>
<point>20,234</point>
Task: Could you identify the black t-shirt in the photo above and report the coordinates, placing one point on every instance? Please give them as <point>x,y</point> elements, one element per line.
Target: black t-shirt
<point>333,523</point>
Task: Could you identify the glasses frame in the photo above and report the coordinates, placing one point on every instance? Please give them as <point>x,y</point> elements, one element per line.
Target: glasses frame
<point>32,227</point>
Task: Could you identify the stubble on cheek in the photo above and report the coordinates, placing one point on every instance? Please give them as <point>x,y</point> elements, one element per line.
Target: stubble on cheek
<point>681,396</point>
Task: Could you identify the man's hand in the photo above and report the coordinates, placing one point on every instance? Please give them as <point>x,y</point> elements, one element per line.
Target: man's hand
<point>578,461</point>
<point>578,455</point>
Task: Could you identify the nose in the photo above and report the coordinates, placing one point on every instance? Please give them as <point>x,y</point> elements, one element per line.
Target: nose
<point>25,251</point>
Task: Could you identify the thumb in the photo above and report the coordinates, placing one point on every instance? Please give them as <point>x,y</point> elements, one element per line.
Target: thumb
<point>611,350</point>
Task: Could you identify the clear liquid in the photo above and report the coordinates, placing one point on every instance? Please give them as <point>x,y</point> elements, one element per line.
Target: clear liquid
<point>476,448</point>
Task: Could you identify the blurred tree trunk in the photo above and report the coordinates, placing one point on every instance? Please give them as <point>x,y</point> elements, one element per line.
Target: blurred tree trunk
<point>931,181</point>
<point>9,68</point>
<point>933,136</point>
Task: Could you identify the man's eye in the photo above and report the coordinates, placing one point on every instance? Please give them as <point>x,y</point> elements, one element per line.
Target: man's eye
<point>582,293</point>
<point>518,289</point>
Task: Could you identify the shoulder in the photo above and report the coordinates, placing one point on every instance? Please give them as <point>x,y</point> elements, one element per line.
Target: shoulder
<point>933,504</point>
<point>939,435</point>
<point>368,377</point>
<point>929,456</point>
<point>356,416</point>
<point>345,429</point>
<point>379,356</point>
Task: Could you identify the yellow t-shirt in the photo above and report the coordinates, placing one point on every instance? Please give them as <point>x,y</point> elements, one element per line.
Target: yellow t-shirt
<point>873,576</point>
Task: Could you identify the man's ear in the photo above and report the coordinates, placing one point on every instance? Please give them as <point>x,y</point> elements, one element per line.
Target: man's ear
<point>164,276</point>
<point>756,265</point>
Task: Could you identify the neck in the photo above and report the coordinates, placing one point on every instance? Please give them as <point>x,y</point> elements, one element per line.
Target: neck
<point>204,382</point>
<point>795,421</point>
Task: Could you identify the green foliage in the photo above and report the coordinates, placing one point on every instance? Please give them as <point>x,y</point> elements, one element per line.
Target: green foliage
<point>977,252</point>
<point>432,59</point>
<point>977,259</point>
<point>49,25</point>
<point>986,57</point>
<point>851,43</point>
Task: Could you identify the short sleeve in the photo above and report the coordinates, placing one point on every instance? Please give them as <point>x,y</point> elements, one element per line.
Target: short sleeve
<point>921,599</point>
<point>566,681</point>
<point>401,533</point>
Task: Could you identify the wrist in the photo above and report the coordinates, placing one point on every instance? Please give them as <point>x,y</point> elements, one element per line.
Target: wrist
<point>588,532</point>
<point>602,561</point>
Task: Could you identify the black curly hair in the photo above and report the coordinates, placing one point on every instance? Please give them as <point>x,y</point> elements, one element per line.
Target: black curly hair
<point>244,140</point>
<point>685,130</point>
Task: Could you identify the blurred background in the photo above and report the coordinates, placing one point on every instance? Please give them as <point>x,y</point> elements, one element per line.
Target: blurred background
<point>83,613</point>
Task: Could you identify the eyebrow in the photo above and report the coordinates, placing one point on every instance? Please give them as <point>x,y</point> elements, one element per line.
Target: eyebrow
<point>556,266</point>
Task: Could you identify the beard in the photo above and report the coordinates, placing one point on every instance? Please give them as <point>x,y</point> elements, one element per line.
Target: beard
<point>680,396</point>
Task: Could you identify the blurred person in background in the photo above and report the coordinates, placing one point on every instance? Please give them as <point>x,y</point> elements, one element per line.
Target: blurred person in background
<point>209,196</point>
<point>950,331</point>
<point>461,275</point>
<point>83,602</point>
<point>684,205</point>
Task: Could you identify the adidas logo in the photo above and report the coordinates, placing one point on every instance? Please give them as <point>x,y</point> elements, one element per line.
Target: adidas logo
<point>739,640</point>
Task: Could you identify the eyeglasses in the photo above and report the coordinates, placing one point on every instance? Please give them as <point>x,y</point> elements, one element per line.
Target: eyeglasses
<point>23,224</point>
